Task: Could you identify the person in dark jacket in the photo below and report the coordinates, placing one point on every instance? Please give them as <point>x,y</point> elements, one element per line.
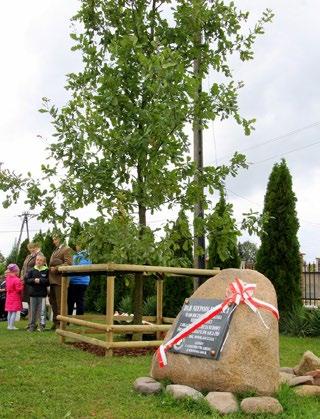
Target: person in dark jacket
<point>62,255</point>
<point>78,284</point>
<point>28,264</point>
<point>37,282</point>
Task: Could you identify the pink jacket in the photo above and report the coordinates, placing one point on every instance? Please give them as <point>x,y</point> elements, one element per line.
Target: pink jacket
<point>14,288</point>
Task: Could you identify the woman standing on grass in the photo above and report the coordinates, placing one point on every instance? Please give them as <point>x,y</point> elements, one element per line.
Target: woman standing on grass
<point>14,287</point>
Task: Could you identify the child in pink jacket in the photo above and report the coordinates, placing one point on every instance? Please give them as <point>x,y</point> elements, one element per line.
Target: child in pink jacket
<point>14,288</point>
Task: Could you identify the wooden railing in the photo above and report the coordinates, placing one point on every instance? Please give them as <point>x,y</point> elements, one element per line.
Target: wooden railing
<point>110,269</point>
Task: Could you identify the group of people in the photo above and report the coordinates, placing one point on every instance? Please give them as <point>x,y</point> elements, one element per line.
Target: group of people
<point>36,281</point>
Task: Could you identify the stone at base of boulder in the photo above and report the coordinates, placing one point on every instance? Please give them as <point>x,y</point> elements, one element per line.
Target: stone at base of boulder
<point>261,405</point>
<point>300,379</point>
<point>223,401</point>
<point>316,376</point>
<point>147,385</point>
<point>306,390</point>
<point>284,377</point>
<point>309,362</point>
<point>287,370</point>
<point>179,391</point>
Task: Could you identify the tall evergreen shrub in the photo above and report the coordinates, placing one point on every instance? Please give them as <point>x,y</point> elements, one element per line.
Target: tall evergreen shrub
<point>23,253</point>
<point>278,256</point>
<point>222,236</point>
<point>180,245</point>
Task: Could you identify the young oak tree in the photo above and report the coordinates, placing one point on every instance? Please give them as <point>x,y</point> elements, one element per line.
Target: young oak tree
<point>121,137</point>
<point>278,256</point>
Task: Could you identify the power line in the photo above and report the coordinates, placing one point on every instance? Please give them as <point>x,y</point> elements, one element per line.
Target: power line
<point>274,139</point>
<point>242,197</point>
<point>14,231</point>
<point>280,137</point>
<point>259,205</point>
<point>288,152</point>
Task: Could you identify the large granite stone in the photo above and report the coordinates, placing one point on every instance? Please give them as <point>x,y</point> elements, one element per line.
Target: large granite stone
<point>250,357</point>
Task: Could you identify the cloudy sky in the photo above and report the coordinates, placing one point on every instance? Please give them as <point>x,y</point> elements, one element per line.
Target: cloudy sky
<point>281,91</point>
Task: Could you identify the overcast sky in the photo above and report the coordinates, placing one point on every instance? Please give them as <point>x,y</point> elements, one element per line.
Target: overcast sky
<point>281,91</point>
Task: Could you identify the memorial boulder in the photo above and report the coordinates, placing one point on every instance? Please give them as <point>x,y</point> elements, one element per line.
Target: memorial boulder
<point>246,355</point>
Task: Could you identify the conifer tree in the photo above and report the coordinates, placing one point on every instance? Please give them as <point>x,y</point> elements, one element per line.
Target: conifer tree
<point>180,245</point>
<point>23,253</point>
<point>47,246</point>
<point>39,238</point>
<point>222,237</point>
<point>278,256</point>
<point>13,255</point>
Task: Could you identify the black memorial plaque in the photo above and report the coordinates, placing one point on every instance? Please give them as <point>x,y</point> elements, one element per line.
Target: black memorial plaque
<point>207,340</point>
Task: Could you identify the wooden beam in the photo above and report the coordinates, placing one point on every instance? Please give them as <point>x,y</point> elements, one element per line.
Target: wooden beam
<point>107,345</point>
<point>137,344</point>
<point>82,338</point>
<point>159,303</point>
<point>109,311</point>
<point>114,267</point>
<point>63,303</point>
<point>116,328</point>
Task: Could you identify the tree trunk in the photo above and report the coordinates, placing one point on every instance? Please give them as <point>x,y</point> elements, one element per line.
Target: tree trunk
<point>138,281</point>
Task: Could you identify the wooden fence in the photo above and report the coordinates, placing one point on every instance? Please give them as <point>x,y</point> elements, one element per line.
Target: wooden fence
<point>109,328</point>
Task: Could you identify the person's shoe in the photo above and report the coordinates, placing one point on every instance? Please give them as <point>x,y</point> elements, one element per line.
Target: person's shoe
<point>14,328</point>
<point>9,328</point>
<point>30,329</point>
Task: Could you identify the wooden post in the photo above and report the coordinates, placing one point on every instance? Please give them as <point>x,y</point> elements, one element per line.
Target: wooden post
<point>110,311</point>
<point>63,303</point>
<point>159,303</point>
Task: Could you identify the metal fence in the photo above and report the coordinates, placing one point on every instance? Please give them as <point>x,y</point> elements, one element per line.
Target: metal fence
<point>310,285</point>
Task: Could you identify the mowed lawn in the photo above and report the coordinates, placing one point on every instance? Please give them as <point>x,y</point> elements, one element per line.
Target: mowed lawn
<point>39,378</point>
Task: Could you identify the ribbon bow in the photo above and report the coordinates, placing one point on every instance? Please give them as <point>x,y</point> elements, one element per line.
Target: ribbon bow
<point>237,293</point>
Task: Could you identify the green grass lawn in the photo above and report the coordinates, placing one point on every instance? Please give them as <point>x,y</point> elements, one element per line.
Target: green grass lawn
<point>39,378</point>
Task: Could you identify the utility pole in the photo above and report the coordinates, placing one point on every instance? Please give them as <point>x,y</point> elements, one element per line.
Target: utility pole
<point>25,218</point>
<point>199,238</point>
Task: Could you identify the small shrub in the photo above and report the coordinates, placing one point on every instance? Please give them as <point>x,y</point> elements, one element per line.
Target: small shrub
<point>150,306</point>
<point>315,322</point>
<point>301,322</point>
<point>125,305</point>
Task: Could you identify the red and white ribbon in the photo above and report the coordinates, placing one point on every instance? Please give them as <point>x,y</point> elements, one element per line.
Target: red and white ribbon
<point>237,293</point>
